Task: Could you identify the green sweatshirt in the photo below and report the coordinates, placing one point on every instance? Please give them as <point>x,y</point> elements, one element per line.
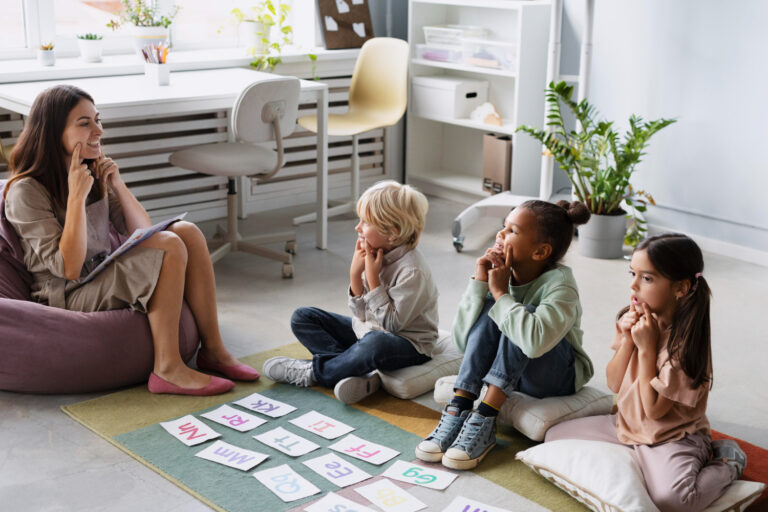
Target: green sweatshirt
<point>557,316</point>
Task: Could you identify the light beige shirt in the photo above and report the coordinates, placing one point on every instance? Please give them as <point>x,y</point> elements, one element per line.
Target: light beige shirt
<point>688,412</point>
<point>404,304</point>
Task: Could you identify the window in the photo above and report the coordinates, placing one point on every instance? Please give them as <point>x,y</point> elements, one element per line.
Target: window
<point>12,31</point>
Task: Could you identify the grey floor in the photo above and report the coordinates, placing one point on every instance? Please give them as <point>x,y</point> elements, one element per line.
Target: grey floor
<point>49,462</point>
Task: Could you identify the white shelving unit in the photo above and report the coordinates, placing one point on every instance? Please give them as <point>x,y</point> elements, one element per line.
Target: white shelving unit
<point>444,155</point>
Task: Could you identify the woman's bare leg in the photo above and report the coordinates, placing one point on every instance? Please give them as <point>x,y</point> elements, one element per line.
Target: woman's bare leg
<point>200,291</point>
<point>164,312</point>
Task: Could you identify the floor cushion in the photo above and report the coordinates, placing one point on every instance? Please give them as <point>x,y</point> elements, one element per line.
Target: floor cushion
<point>51,350</point>
<point>534,416</point>
<point>410,382</point>
<point>606,477</point>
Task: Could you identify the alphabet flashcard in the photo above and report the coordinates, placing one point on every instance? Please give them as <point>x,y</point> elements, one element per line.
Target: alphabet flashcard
<point>336,470</point>
<point>386,495</point>
<point>419,475</point>
<point>463,504</point>
<point>322,425</point>
<point>232,456</point>
<point>286,483</point>
<point>286,442</point>
<point>364,450</point>
<point>267,406</point>
<point>335,503</point>
<point>189,430</point>
<point>233,418</point>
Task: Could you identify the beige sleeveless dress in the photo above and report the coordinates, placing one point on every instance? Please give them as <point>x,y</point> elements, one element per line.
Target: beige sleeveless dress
<point>127,282</point>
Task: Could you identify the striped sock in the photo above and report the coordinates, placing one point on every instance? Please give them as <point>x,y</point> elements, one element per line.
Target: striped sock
<point>461,402</point>
<point>487,410</point>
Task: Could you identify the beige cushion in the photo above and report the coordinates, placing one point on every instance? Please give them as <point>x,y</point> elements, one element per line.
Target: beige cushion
<point>607,477</point>
<point>534,416</point>
<point>412,381</point>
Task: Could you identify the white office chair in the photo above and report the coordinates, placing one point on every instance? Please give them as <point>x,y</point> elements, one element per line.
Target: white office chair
<point>264,107</point>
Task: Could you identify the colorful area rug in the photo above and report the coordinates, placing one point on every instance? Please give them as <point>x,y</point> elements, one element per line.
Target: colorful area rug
<point>129,420</point>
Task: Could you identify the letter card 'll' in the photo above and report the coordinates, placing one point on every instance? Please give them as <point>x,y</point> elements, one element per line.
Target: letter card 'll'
<point>336,470</point>
<point>189,430</point>
<point>419,475</point>
<point>286,442</point>
<point>234,418</point>
<point>264,405</point>
<point>386,495</point>
<point>463,504</point>
<point>286,483</point>
<point>232,456</point>
<point>322,425</point>
<point>336,503</point>
<point>364,450</point>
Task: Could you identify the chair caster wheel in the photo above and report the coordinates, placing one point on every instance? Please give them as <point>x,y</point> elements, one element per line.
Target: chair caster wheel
<point>458,246</point>
<point>287,271</point>
<point>290,247</point>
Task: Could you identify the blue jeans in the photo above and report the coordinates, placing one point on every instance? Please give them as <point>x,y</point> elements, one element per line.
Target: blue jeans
<point>493,358</point>
<point>337,353</point>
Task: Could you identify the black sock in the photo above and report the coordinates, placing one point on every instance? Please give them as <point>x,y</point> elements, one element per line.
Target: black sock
<point>462,402</point>
<point>487,410</point>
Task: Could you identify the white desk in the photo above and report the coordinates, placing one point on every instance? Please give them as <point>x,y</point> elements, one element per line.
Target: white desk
<point>132,96</point>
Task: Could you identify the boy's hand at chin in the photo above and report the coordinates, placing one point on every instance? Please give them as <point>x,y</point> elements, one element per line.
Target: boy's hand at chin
<point>499,276</point>
<point>492,258</point>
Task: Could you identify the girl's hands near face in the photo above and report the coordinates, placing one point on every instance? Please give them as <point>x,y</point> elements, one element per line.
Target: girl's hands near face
<point>106,169</point>
<point>491,258</point>
<point>646,331</point>
<point>79,177</point>
<point>498,277</point>
<point>627,320</point>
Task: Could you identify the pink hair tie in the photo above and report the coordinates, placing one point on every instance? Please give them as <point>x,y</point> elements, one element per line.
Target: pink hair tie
<point>698,275</point>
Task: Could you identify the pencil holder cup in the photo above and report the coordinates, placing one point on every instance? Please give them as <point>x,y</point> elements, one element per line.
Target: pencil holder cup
<point>158,74</point>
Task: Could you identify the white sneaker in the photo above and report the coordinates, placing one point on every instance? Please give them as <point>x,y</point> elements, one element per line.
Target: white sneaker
<point>298,372</point>
<point>353,389</point>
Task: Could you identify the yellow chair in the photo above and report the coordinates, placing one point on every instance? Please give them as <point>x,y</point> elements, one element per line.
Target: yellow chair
<point>5,152</point>
<point>378,96</point>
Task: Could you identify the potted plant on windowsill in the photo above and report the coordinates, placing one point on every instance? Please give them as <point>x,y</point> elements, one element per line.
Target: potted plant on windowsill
<point>599,164</point>
<point>45,55</point>
<point>90,46</point>
<point>148,26</point>
<point>263,29</point>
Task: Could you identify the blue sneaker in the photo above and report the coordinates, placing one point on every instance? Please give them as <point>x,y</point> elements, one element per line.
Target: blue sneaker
<point>432,448</point>
<point>728,451</point>
<point>477,437</point>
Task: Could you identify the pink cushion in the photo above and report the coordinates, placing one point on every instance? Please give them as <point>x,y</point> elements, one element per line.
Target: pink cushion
<point>50,350</point>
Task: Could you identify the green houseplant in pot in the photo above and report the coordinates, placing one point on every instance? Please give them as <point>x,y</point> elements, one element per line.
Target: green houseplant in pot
<point>90,46</point>
<point>264,30</point>
<point>148,25</point>
<point>599,163</point>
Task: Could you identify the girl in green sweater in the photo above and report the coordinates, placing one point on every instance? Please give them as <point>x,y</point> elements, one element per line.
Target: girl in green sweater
<point>518,325</point>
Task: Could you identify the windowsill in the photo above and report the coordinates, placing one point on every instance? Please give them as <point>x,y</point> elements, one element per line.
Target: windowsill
<point>27,70</point>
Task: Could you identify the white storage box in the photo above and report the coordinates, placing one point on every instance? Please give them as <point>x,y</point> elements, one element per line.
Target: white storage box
<point>489,54</point>
<point>439,53</point>
<point>446,97</point>
<point>451,34</point>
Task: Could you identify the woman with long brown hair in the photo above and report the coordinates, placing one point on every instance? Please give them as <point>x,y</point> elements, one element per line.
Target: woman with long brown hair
<point>61,198</point>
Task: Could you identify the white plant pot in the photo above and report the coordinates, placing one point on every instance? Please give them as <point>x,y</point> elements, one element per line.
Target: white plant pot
<point>146,36</point>
<point>46,57</point>
<point>90,49</point>
<point>250,34</point>
<point>603,236</point>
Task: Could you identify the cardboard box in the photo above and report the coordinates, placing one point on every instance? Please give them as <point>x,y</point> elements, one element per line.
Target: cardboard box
<point>497,161</point>
<point>447,97</point>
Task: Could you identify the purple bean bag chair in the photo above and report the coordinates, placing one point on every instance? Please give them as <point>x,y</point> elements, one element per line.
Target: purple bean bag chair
<point>51,350</point>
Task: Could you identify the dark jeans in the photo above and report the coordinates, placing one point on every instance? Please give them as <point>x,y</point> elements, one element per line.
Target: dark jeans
<point>493,358</point>
<point>338,353</point>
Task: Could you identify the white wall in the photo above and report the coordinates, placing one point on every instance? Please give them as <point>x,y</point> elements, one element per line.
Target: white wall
<point>703,62</point>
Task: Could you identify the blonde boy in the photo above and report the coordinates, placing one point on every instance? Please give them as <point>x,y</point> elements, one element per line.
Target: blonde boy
<point>392,298</point>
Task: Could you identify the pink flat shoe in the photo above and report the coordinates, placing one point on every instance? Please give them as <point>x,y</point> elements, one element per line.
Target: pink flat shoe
<point>232,371</point>
<point>217,386</point>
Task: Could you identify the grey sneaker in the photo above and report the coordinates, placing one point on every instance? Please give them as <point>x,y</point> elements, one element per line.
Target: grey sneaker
<point>728,451</point>
<point>353,389</point>
<point>477,437</point>
<point>432,448</point>
<point>291,371</point>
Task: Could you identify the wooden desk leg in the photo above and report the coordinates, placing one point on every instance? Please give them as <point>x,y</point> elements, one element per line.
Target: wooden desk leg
<point>321,227</point>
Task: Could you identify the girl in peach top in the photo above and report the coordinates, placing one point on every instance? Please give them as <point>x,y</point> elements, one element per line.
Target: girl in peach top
<point>662,372</point>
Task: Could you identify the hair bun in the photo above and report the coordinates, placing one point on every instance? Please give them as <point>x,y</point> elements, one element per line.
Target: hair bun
<point>576,211</point>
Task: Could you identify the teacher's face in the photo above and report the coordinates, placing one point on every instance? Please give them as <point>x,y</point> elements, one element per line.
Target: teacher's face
<point>84,127</point>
